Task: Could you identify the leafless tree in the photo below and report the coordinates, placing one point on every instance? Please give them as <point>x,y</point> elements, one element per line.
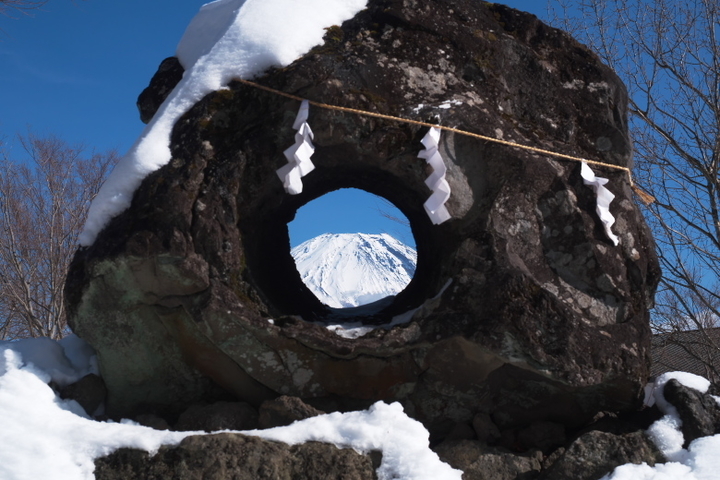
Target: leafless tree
<point>43,203</point>
<point>668,54</point>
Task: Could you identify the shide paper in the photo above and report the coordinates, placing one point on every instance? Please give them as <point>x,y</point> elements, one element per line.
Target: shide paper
<point>298,155</point>
<point>435,205</point>
<point>604,198</point>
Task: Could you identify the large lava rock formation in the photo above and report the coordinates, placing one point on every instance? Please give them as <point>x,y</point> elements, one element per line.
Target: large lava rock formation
<point>523,309</point>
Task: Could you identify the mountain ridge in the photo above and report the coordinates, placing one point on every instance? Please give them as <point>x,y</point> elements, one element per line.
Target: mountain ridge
<point>346,270</point>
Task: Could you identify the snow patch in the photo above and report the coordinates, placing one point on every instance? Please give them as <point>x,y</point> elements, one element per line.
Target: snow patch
<point>227,39</point>
<point>347,270</point>
<point>403,441</point>
<point>699,462</point>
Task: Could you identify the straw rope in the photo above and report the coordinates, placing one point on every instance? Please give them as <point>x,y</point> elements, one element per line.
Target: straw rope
<point>645,197</point>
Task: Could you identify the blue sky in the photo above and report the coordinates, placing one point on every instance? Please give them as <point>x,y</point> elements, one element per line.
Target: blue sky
<point>74,69</point>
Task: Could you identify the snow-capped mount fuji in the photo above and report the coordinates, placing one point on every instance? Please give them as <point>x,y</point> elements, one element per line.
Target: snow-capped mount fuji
<point>351,269</point>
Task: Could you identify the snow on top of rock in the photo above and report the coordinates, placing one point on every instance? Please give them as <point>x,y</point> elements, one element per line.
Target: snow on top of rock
<point>350,269</point>
<point>227,39</point>
<point>404,442</point>
<point>44,436</point>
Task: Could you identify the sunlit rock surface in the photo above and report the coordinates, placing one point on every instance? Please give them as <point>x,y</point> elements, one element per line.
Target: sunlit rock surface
<point>520,308</point>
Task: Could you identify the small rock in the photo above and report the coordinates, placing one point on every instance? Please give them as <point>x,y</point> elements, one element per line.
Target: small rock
<point>234,456</point>
<point>486,431</point>
<point>218,416</point>
<point>461,431</point>
<point>283,411</point>
<point>152,421</point>
<point>700,414</point>
<point>89,392</point>
<point>596,454</point>
<point>543,435</point>
<point>480,462</point>
<point>168,75</point>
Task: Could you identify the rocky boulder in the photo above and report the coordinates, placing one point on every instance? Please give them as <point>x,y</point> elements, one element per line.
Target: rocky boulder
<point>596,454</point>
<point>521,309</point>
<point>228,455</point>
<point>699,413</point>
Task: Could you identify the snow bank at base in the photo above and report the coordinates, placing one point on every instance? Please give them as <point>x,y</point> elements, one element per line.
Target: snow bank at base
<point>227,39</point>
<point>403,441</point>
<point>699,462</point>
<point>45,437</point>
<point>63,362</point>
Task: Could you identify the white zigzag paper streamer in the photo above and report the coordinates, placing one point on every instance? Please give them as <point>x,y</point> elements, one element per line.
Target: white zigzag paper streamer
<point>298,155</point>
<point>604,198</point>
<point>435,205</point>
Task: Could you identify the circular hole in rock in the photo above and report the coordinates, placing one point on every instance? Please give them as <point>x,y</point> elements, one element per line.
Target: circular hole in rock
<point>352,249</point>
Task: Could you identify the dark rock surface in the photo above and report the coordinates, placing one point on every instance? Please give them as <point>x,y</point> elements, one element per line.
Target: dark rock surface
<point>283,411</point>
<point>525,310</point>
<point>226,456</point>
<point>89,392</point>
<point>596,454</point>
<point>700,413</point>
<point>169,73</point>
<point>480,462</point>
<point>218,416</point>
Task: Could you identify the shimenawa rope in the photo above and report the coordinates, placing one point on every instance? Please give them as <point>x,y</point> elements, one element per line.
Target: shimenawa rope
<point>645,197</point>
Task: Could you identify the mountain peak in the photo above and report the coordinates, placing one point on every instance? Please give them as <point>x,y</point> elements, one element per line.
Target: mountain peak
<point>352,269</point>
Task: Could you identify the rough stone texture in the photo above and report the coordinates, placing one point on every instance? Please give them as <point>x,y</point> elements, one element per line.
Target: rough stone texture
<point>700,414</point>
<point>168,75</point>
<point>218,416</point>
<point>228,456</point>
<point>152,421</point>
<point>89,392</point>
<point>542,435</point>
<point>485,430</point>
<point>283,411</point>
<point>525,310</point>
<point>480,462</point>
<point>596,454</point>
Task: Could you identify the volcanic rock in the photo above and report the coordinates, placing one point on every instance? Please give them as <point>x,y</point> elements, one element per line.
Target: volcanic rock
<point>699,413</point>
<point>229,455</point>
<point>520,307</point>
<point>218,416</point>
<point>283,411</point>
<point>596,454</point>
<point>169,73</point>
<point>480,462</point>
<point>89,392</point>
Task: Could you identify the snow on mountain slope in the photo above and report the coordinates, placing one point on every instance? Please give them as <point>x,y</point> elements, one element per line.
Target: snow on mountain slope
<point>351,269</point>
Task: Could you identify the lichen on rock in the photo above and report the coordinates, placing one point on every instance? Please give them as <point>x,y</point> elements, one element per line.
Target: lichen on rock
<point>538,316</point>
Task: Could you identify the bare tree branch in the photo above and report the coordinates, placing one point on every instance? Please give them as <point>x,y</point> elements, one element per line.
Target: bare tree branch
<point>668,54</point>
<point>43,203</point>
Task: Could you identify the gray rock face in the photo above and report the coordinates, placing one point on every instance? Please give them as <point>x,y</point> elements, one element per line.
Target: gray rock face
<point>233,456</point>
<point>283,411</point>
<point>596,454</point>
<point>169,73</point>
<point>480,462</point>
<point>525,311</point>
<point>218,416</point>
<point>89,392</point>
<point>700,413</point>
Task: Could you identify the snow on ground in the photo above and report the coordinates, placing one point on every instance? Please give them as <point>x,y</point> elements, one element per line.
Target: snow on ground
<point>45,437</point>
<point>403,441</point>
<point>227,39</point>
<point>699,462</point>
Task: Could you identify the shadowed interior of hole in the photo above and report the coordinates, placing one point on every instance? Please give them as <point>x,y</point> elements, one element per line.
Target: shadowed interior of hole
<point>352,248</point>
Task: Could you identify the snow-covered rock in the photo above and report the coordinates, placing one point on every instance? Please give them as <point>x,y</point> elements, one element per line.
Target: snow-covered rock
<point>352,269</point>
